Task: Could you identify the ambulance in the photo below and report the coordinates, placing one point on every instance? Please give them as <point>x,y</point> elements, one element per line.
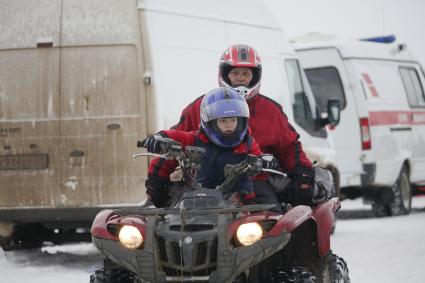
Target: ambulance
<point>380,141</point>
<point>82,81</point>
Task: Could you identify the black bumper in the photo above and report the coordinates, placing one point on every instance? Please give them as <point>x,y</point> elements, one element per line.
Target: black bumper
<point>54,217</point>
<point>229,262</point>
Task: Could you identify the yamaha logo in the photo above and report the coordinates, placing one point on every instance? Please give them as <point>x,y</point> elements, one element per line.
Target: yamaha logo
<point>188,240</point>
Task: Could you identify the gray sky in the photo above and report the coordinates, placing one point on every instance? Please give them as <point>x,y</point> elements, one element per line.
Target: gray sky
<point>355,19</point>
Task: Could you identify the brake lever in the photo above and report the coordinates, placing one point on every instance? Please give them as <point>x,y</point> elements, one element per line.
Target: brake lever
<point>148,154</point>
<point>171,154</point>
<point>274,172</point>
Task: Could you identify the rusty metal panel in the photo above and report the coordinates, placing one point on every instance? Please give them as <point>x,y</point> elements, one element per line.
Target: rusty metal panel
<point>29,188</point>
<point>29,84</point>
<point>37,161</point>
<point>29,104</point>
<point>106,174</point>
<point>24,23</point>
<point>100,126</point>
<point>99,22</point>
<point>80,102</point>
<point>99,82</point>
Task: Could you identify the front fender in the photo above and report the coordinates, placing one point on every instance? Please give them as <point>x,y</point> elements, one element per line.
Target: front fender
<point>324,216</point>
<point>293,218</point>
<point>98,228</point>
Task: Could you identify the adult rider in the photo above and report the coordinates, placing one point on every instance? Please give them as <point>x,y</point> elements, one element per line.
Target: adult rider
<point>240,68</point>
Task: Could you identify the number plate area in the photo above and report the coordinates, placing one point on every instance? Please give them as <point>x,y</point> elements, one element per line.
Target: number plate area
<point>24,162</point>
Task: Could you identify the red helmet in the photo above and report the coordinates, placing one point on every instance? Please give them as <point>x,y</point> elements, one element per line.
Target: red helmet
<point>241,55</point>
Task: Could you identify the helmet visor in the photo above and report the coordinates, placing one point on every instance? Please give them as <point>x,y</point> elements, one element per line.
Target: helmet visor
<point>224,109</point>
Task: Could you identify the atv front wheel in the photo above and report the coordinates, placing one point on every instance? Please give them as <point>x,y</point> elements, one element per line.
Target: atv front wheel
<point>296,274</point>
<point>338,270</point>
<point>272,274</point>
<point>112,273</point>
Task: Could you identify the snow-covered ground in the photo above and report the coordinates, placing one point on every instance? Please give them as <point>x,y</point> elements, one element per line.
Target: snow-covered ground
<point>70,263</point>
<point>390,250</point>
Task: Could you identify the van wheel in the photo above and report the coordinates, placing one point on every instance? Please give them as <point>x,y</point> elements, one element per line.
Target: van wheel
<point>402,192</point>
<point>380,210</point>
<point>399,200</point>
<point>25,236</point>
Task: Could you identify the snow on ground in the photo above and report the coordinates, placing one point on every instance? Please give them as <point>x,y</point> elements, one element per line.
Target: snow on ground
<point>71,263</point>
<point>389,250</point>
<point>386,250</point>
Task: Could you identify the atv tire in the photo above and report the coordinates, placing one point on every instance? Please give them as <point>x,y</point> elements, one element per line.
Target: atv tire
<point>263,273</point>
<point>338,270</point>
<point>296,274</point>
<point>112,273</point>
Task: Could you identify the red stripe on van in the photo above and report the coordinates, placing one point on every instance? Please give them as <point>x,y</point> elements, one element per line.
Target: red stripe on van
<point>373,91</point>
<point>380,118</point>
<point>366,78</point>
<point>370,85</point>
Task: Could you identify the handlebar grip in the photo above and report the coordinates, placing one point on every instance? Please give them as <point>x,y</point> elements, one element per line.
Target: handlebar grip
<point>140,144</point>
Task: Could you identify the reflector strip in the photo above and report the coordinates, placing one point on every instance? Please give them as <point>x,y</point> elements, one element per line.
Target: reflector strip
<point>381,118</point>
<point>370,85</point>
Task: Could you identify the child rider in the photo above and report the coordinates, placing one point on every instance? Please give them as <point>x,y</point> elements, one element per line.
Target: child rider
<point>224,134</point>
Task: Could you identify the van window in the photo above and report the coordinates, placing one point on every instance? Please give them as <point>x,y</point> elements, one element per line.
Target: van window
<point>300,105</point>
<point>326,83</point>
<point>413,86</point>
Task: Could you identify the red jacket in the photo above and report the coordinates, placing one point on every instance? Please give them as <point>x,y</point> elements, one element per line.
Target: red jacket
<point>188,138</point>
<point>270,128</point>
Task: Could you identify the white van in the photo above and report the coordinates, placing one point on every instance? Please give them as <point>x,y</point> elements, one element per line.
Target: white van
<point>82,81</point>
<point>380,141</point>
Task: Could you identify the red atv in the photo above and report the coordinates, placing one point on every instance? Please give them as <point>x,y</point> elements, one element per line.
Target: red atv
<point>205,236</point>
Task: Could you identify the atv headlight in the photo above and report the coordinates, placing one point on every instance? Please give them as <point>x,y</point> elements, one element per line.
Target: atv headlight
<point>130,237</point>
<point>249,233</point>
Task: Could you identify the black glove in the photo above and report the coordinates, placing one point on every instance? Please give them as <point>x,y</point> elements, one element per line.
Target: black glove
<point>303,174</point>
<point>301,189</point>
<point>156,143</point>
<point>156,190</point>
<point>256,164</point>
<point>269,162</point>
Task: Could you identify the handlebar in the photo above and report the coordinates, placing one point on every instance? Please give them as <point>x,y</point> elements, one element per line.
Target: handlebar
<point>252,165</point>
<point>274,172</point>
<point>148,154</point>
<point>190,159</point>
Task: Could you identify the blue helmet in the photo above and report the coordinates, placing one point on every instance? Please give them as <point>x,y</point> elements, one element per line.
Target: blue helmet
<point>224,102</point>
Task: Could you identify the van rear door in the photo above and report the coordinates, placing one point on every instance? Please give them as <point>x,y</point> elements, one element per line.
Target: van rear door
<point>29,104</point>
<point>325,68</point>
<point>414,83</point>
<point>101,104</point>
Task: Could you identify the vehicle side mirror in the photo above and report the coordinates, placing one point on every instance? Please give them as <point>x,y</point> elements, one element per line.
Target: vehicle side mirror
<point>334,113</point>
